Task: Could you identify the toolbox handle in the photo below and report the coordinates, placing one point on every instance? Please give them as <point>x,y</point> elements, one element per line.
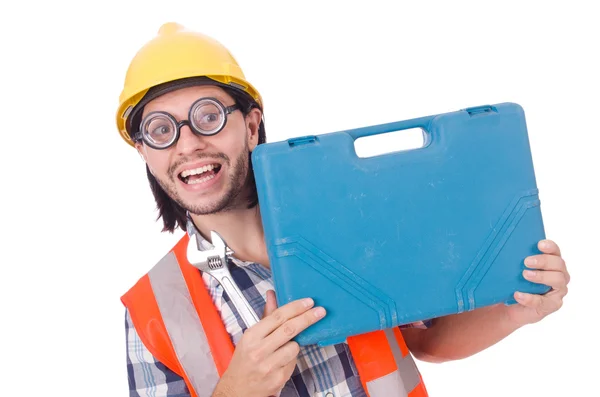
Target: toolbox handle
<point>421,122</point>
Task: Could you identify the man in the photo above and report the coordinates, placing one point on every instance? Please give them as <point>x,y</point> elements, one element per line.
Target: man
<point>189,111</point>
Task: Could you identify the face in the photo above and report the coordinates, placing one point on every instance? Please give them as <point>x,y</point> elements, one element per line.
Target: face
<point>204,174</point>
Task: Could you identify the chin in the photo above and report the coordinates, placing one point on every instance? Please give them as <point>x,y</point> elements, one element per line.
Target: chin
<point>209,204</point>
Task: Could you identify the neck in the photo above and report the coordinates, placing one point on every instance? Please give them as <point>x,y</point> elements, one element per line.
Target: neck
<point>242,230</point>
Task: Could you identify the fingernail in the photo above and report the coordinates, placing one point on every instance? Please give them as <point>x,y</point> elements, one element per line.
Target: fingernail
<point>319,312</point>
<point>545,244</point>
<point>308,302</point>
<point>530,262</point>
<point>519,295</point>
<point>529,273</point>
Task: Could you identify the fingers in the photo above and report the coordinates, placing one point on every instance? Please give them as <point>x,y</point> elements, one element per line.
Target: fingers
<point>543,304</point>
<point>545,262</point>
<point>556,280</point>
<point>292,327</point>
<point>277,369</point>
<point>549,247</point>
<point>279,378</point>
<point>288,371</point>
<point>279,316</point>
<point>284,356</point>
<point>271,304</point>
<point>551,269</point>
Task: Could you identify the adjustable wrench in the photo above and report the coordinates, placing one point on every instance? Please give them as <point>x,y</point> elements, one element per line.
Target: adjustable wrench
<point>214,262</point>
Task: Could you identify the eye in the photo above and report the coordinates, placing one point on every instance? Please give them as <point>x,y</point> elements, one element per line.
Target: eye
<point>210,118</point>
<point>161,130</point>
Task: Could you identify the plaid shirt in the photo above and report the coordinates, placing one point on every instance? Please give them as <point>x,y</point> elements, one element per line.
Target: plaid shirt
<point>320,371</point>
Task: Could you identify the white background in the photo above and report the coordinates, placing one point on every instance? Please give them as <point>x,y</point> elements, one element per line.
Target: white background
<point>79,220</point>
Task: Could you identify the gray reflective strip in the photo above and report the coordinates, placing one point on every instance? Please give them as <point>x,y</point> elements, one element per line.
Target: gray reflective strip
<point>183,325</point>
<point>406,365</point>
<point>410,374</point>
<point>387,386</point>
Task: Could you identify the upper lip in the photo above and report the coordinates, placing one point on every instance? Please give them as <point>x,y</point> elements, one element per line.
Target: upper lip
<point>193,166</point>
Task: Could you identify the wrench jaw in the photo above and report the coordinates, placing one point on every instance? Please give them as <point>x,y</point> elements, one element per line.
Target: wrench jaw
<point>221,247</point>
<point>200,259</point>
<point>217,241</point>
<point>214,262</point>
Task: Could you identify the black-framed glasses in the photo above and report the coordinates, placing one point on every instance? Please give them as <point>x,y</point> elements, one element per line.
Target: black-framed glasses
<point>206,117</point>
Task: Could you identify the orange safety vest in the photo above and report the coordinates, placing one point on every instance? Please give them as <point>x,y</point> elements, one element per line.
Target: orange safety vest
<point>178,323</point>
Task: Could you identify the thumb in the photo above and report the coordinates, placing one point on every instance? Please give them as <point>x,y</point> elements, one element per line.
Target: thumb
<point>271,304</point>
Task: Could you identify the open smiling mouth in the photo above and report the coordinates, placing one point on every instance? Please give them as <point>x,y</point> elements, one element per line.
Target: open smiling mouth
<point>200,175</point>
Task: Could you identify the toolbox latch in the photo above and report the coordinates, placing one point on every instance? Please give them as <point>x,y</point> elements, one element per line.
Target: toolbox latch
<point>481,109</point>
<point>302,140</point>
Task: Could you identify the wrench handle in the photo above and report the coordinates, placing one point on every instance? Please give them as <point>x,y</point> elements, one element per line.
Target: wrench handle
<point>239,301</point>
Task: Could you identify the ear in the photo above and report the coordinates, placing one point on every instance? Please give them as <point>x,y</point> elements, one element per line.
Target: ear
<point>253,120</point>
<point>142,152</point>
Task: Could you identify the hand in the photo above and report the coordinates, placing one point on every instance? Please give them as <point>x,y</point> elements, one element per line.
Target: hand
<point>265,357</point>
<point>550,269</point>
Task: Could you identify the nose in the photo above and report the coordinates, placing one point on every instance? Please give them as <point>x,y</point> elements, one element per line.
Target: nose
<point>189,142</point>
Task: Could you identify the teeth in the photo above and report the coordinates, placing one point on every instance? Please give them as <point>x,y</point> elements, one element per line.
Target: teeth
<point>201,180</point>
<point>197,171</point>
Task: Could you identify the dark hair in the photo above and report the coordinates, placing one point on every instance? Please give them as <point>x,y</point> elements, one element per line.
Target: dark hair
<point>172,214</point>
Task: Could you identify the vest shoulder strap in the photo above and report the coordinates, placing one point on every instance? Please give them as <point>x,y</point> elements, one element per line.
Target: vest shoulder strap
<point>177,321</point>
<point>146,318</point>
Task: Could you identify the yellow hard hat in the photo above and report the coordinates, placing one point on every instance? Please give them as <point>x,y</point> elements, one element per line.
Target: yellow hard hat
<point>177,53</point>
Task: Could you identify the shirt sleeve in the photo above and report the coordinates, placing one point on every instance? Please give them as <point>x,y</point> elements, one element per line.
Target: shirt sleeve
<point>146,375</point>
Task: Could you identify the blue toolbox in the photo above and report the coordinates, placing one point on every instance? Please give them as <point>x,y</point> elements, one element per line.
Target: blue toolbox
<point>405,236</point>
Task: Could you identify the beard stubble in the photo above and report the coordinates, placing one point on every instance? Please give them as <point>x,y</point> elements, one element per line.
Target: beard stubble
<point>231,199</point>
